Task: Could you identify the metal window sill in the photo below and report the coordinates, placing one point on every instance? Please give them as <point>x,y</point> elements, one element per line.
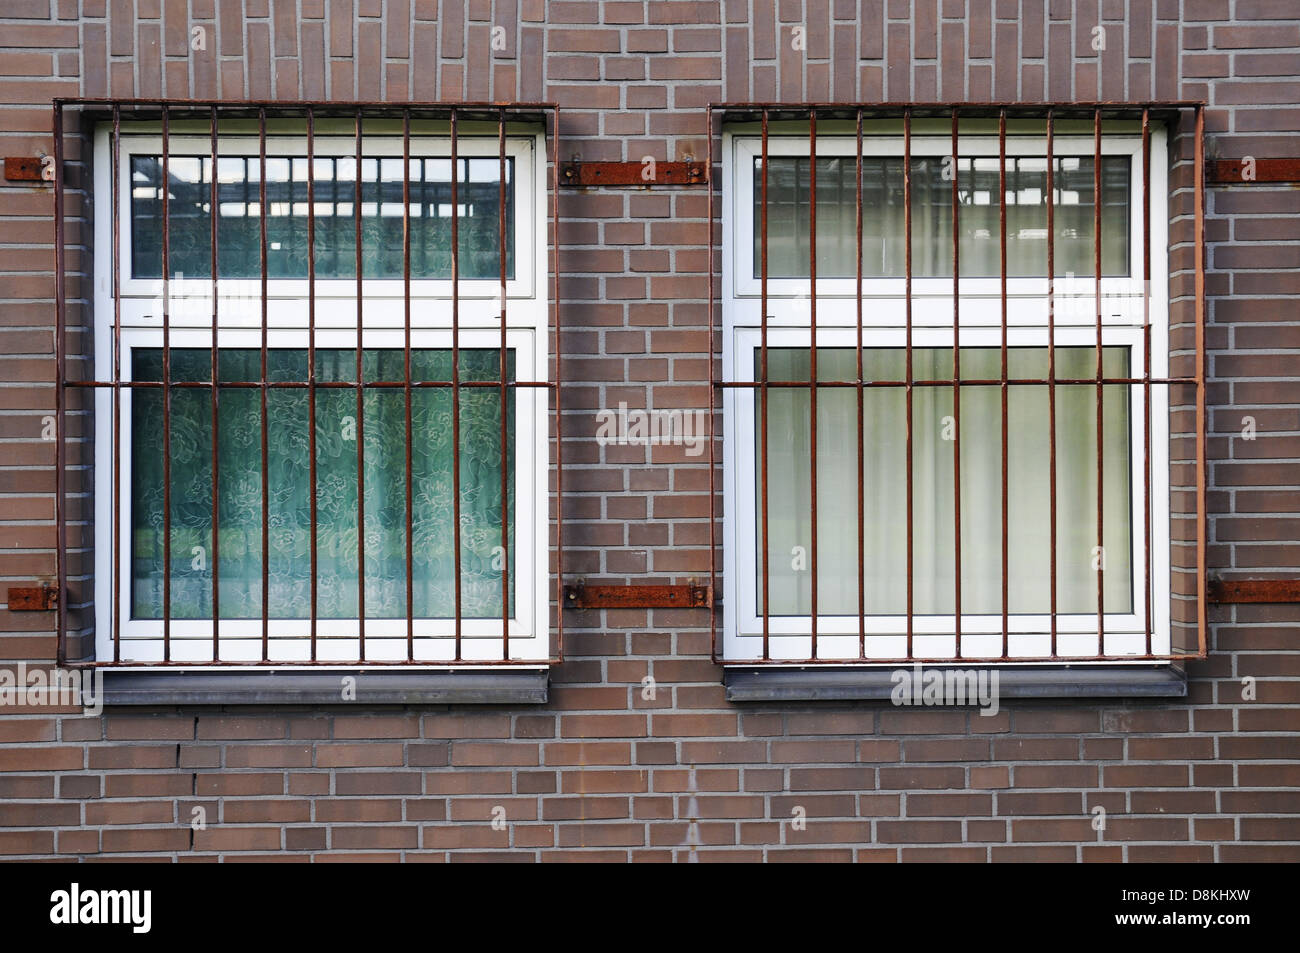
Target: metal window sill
<point>513,686</point>
<point>796,684</point>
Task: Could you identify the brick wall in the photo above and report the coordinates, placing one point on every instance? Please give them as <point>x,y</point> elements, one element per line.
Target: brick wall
<point>600,773</point>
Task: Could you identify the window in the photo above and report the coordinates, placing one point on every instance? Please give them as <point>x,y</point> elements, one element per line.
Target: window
<point>321,436</point>
<point>903,508</point>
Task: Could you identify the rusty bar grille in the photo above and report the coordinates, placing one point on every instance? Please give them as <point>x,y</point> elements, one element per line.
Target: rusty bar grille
<point>443,125</point>
<point>745,393</point>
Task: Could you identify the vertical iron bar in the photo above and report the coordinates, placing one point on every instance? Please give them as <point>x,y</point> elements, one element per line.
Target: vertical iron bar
<point>763,396</point>
<point>1002,230</point>
<point>559,379</point>
<point>214,361</point>
<point>406,377</point>
<point>60,412</point>
<point>117,379</point>
<point>812,365</point>
<point>713,387</point>
<point>1101,485</point>
<point>455,374</point>
<point>862,535</point>
<point>311,356</point>
<point>956,395</point>
<point>361,441</point>
<point>167,387</point>
<point>1146,366</point>
<point>907,306</point>
<point>266,469</point>
<point>1051,372</point>
<point>505,515</point>
<point>1202,526</point>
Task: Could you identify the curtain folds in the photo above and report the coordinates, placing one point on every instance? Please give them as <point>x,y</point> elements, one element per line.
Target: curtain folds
<point>935,435</point>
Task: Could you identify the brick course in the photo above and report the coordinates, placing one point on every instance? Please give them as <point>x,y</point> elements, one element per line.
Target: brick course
<point>601,773</point>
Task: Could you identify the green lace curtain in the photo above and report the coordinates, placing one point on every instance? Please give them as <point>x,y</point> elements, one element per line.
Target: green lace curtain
<point>885,484</point>
<point>239,220</point>
<point>289,510</point>
<point>883,227</point>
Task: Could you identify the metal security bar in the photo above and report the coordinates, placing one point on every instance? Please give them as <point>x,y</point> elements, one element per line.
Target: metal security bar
<point>253,118</point>
<point>771,123</point>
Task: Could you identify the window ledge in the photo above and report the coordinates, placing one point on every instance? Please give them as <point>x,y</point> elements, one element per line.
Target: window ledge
<point>279,687</point>
<point>772,684</point>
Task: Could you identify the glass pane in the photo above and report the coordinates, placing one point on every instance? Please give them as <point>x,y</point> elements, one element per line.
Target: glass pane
<point>239,461</point>
<point>239,217</point>
<point>883,227</point>
<point>885,485</point>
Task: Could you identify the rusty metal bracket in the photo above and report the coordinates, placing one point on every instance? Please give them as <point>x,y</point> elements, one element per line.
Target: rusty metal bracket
<point>33,598</point>
<point>583,596</point>
<point>23,169</point>
<point>1250,169</point>
<point>643,173</point>
<point>1227,591</point>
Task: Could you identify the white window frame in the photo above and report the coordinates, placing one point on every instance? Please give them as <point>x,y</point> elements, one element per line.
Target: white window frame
<point>884,326</point>
<point>383,315</point>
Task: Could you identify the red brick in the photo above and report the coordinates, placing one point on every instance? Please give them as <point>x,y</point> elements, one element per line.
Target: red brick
<point>152,840</point>
<point>466,725</point>
<point>269,756</point>
<point>487,753</point>
<point>41,759</point>
<point>26,842</point>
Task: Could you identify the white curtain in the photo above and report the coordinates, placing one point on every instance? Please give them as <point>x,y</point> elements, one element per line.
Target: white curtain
<point>884,486</point>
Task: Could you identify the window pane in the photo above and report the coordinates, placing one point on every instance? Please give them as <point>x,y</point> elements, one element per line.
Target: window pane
<point>885,484</point>
<point>239,217</point>
<point>883,228</point>
<point>289,486</point>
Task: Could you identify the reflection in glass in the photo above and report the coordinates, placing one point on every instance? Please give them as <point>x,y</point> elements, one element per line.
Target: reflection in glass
<point>240,215</point>
<point>883,229</point>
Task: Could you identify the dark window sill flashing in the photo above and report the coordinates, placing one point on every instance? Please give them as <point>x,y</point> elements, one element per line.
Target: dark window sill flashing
<point>773,684</point>
<point>511,686</point>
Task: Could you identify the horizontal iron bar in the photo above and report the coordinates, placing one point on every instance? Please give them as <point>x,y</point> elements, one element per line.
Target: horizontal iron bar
<point>303,385</point>
<point>1226,591</point>
<point>638,597</point>
<point>354,663</point>
<point>977,382</point>
<point>985,110</point>
<point>965,660</point>
<point>350,385</point>
<point>580,174</point>
<point>1239,171</point>
<point>201,108</point>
